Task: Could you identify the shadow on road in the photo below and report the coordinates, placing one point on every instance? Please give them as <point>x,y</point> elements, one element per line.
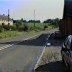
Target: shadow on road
<point>55,42</point>
<point>39,41</point>
<point>51,67</point>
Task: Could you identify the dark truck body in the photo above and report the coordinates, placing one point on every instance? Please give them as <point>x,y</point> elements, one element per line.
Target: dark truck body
<point>65,25</point>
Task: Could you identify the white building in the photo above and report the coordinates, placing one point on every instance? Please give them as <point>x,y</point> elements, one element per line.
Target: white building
<point>4,19</point>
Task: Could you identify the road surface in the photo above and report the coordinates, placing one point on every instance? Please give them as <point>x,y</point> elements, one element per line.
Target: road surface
<point>51,60</point>
<point>22,56</point>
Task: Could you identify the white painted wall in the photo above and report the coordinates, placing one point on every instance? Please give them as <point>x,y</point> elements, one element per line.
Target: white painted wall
<point>6,22</point>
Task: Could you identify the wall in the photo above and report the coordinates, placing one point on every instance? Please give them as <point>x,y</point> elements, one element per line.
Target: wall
<point>6,22</point>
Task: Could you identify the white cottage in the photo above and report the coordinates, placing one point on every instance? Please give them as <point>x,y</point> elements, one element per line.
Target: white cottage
<point>6,20</point>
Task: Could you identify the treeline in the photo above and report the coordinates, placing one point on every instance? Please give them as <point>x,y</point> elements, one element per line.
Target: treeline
<point>50,21</point>
<point>54,22</point>
<point>25,21</point>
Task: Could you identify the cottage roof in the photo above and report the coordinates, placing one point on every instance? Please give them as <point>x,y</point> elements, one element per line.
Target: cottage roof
<point>3,17</point>
<point>67,8</point>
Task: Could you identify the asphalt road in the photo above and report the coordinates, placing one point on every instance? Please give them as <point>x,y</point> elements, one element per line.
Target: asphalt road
<point>51,60</point>
<point>22,56</point>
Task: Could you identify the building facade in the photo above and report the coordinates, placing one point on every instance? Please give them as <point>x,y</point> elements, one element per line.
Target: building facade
<point>5,20</point>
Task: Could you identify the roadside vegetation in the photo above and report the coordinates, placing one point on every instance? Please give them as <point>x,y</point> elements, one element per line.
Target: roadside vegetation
<point>22,27</point>
<point>11,34</point>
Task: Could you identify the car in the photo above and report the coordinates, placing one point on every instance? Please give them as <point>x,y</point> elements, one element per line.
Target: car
<point>66,53</point>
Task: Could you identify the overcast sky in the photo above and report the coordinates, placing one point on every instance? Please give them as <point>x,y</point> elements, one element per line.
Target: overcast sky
<point>44,9</point>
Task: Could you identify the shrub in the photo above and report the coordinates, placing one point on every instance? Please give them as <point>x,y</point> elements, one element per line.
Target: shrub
<point>26,27</point>
<point>6,27</point>
<point>31,28</point>
<point>1,29</point>
<point>20,28</point>
<point>45,27</point>
<point>13,28</point>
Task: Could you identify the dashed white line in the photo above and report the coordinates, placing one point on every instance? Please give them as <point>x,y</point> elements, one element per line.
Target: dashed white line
<point>9,45</point>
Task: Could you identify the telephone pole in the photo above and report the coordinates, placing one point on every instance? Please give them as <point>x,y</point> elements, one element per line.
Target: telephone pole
<point>34,18</point>
<point>8,16</point>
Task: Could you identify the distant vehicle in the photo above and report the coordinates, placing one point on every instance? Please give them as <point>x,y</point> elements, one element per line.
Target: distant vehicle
<point>66,53</point>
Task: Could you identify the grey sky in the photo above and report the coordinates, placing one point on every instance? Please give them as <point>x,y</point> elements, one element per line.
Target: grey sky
<point>44,9</point>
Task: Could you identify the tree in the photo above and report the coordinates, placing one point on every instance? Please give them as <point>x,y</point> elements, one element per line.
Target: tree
<point>32,21</point>
<point>21,20</point>
<point>48,21</point>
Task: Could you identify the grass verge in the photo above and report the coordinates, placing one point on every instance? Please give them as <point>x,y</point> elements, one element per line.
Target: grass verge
<point>11,34</point>
<point>51,54</point>
<point>37,29</point>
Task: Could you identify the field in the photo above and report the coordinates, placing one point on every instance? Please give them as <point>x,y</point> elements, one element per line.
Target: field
<point>32,30</point>
<point>41,25</point>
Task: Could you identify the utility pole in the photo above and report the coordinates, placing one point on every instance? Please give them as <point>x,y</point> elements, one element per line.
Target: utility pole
<point>34,18</point>
<point>8,16</point>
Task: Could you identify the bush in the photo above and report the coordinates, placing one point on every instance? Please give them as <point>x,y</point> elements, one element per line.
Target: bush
<point>25,27</point>
<point>1,29</point>
<point>13,28</point>
<point>45,27</point>
<point>6,27</point>
<point>31,28</point>
<point>20,28</point>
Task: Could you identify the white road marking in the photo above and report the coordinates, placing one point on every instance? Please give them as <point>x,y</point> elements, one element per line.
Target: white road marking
<point>39,58</point>
<point>41,54</point>
<point>9,45</point>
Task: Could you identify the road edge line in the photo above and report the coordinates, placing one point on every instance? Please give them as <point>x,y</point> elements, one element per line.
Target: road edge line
<point>39,58</point>
<point>41,55</point>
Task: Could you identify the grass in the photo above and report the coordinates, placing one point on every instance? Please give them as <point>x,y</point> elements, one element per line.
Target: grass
<point>10,34</point>
<point>36,24</point>
<point>38,28</point>
<point>51,54</point>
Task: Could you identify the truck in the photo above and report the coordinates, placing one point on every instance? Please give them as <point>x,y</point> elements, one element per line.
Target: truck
<point>65,24</point>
